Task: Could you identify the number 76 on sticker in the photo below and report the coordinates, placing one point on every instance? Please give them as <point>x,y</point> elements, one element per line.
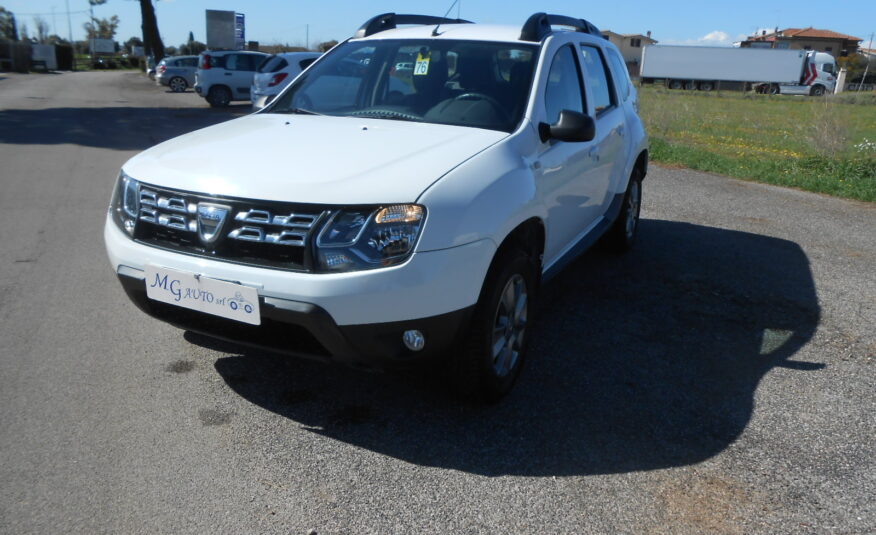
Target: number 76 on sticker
<point>421,67</point>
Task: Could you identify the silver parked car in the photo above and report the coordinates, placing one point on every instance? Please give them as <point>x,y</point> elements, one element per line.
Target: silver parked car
<point>276,73</point>
<point>177,72</point>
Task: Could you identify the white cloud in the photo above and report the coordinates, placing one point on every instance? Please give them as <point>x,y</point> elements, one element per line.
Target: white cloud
<point>717,37</point>
<point>713,38</point>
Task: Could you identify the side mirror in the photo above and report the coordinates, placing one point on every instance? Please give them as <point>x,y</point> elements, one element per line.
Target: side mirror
<point>571,126</point>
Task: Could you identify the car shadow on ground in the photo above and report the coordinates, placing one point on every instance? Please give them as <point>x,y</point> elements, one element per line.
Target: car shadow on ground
<point>644,361</point>
<point>119,128</point>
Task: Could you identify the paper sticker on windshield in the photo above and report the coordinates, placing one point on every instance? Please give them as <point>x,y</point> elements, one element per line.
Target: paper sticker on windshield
<point>421,68</point>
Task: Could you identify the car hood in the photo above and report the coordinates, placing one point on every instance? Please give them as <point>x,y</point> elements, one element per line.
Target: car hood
<point>311,159</point>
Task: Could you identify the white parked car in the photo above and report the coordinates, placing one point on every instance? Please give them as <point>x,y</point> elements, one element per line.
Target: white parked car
<point>226,75</point>
<point>382,217</point>
<point>276,73</point>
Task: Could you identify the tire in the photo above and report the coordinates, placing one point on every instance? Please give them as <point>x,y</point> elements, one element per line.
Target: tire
<point>675,84</point>
<point>493,351</point>
<point>178,84</point>
<point>690,85</point>
<point>622,234</point>
<point>219,96</point>
<point>773,89</point>
<point>706,86</point>
<point>817,91</point>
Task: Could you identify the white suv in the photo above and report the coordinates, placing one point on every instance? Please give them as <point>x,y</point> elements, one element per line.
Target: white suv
<point>226,75</point>
<point>382,216</point>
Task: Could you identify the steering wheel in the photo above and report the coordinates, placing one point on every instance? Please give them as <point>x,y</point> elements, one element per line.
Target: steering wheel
<point>481,96</point>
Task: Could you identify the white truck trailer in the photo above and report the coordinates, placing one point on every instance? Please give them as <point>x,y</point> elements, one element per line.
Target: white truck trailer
<point>792,72</point>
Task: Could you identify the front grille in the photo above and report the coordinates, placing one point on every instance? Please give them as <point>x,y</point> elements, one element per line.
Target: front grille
<point>258,233</point>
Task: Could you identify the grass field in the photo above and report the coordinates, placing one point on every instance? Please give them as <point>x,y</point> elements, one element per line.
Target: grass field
<point>826,145</point>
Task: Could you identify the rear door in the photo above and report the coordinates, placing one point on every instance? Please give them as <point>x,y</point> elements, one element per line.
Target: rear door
<point>239,71</point>
<point>608,152</point>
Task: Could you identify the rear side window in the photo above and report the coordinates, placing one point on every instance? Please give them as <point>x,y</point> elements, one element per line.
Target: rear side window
<point>598,80</point>
<point>189,62</point>
<point>273,64</point>
<point>305,63</point>
<point>621,75</point>
<point>563,86</point>
<point>241,62</point>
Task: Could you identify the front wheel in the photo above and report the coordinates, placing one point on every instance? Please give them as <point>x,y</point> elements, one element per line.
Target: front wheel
<point>488,364</point>
<point>817,91</point>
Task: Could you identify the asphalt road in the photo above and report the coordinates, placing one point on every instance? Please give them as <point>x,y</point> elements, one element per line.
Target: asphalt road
<point>721,378</point>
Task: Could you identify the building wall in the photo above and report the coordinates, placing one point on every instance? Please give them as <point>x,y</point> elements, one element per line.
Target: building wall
<point>836,46</point>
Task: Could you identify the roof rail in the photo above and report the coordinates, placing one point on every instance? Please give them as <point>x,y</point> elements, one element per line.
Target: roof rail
<point>389,21</point>
<point>538,26</point>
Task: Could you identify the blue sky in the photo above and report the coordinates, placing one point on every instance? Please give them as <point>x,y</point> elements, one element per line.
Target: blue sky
<point>283,21</point>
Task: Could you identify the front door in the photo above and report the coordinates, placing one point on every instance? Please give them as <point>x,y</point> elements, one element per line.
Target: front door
<point>567,175</point>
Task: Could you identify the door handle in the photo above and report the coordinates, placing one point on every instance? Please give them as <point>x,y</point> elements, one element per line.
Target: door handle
<point>620,130</point>
<point>594,153</point>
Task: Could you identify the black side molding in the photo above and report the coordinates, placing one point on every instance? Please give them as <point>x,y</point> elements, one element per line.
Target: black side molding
<point>389,21</point>
<point>538,26</point>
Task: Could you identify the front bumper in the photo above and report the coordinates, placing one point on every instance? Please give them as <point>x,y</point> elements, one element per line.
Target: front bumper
<point>356,317</point>
<point>307,330</point>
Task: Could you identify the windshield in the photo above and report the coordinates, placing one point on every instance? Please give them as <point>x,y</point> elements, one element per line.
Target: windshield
<point>465,83</point>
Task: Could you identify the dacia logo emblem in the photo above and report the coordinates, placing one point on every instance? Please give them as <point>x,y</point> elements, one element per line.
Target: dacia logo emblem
<point>211,219</point>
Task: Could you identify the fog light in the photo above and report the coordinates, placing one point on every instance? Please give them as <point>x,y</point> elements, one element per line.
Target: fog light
<point>414,340</point>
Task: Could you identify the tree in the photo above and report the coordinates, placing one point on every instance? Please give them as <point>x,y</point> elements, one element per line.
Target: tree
<point>191,37</point>
<point>56,40</point>
<point>192,48</point>
<point>101,28</point>
<point>151,37</point>
<point>24,34</point>
<point>131,43</point>
<point>854,64</point>
<point>8,26</point>
<point>42,29</point>
<point>326,46</point>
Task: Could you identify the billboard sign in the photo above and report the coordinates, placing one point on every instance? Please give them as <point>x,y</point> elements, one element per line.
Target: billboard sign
<point>103,46</point>
<point>239,31</point>
<point>221,29</point>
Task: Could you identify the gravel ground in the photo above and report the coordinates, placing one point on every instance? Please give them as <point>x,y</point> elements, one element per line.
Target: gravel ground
<point>720,378</point>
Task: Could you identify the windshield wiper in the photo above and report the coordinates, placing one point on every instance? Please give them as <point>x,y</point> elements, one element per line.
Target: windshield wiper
<point>386,114</point>
<point>298,111</point>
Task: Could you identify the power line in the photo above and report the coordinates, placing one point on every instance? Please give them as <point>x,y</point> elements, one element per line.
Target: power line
<point>17,14</point>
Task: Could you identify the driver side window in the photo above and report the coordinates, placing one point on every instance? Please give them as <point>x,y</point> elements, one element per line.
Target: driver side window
<point>564,90</point>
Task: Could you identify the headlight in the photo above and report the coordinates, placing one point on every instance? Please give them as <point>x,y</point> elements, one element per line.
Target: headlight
<point>354,240</point>
<point>125,204</point>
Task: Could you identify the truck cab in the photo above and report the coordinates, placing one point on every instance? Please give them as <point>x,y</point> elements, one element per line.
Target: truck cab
<point>818,77</point>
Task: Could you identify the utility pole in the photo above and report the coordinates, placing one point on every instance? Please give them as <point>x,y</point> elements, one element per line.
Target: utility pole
<point>867,68</point>
<point>307,36</point>
<point>69,24</point>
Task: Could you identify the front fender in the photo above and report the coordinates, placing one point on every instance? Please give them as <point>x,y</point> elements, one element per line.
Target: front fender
<point>484,198</point>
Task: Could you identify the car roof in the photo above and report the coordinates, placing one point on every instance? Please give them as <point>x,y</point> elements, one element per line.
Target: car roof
<point>217,52</point>
<point>466,32</point>
<point>296,54</point>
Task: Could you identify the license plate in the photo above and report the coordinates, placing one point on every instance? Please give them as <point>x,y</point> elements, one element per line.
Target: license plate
<point>211,296</point>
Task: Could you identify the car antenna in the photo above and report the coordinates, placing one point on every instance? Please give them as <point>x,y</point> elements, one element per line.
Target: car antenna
<point>435,31</point>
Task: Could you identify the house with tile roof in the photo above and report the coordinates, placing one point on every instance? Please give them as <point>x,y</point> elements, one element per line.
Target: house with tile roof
<point>834,43</point>
<point>630,45</point>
